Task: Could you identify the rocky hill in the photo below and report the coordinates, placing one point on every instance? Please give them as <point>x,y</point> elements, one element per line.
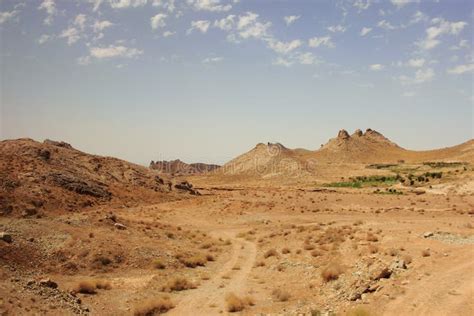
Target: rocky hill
<point>178,167</point>
<point>37,178</point>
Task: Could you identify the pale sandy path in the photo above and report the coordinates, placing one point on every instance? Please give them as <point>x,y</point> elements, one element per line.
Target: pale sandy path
<point>447,291</point>
<point>209,298</point>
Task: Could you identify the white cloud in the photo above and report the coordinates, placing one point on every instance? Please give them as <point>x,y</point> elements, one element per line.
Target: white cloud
<point>209,5</point>
<point>284,48</point>
<point>165,4</point>
<point>168,33</point>
<point>201,25</point>
<point>99,26</point>
<point>376,67</point>
<point>71,34</point>
<point>421,76</point>
<point>291,19</point>
<point>318,41</point>
<point>246,20</point>
<point>50,7</point>
<point>112,51</point>
<point>225,24</point>
<point>418,17</point>
<point>80,21</point>
<point>362,5</point>
<point>212,60</point>
<point>308,59</point>
<point>6,16</point>
<point>402,3</point>
<point>416,62</point>
<point>123,4</point>
<point>440,27</point>
<point>386,25</point>
<point>257,30</point>
<point>461,69</point>
<point>337,28</point>
<point>85,60</point>
<point>282,62</point>
<point>158,21</point>
<point>365,31</point>
<point>44,38</point>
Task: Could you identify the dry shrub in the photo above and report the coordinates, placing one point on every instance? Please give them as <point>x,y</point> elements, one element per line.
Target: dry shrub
<point>91,286</point>
<point>193,261</point>
<point>372,237</point>
<point>393,252</point>
<point>158,264</point>
<point>270,253</point>
<point>178,284</point>
<point>210,257</point>
<point>260,264</point>
<point>308,246</point>
<point>285,251</point>
<point>281,295</point>
<point>332,272</point>
<point>316,253</point>
<point>426,253</point>
<point>373,249</point>
<point>153,307</point>
<point>237,304</point>
<point>408,259</point>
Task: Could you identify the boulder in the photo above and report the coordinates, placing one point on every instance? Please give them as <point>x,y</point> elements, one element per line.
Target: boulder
<point>6,237</point>
<point>343,134</point>
<point>120,226</point>
<point>428,234</point>
<point>48,283</point>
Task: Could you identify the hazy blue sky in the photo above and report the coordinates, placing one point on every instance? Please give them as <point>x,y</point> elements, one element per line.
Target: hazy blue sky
<point>205,80</point>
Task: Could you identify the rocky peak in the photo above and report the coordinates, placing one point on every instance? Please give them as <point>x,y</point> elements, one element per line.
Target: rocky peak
<point>358,133</point>
<point>343,134</point>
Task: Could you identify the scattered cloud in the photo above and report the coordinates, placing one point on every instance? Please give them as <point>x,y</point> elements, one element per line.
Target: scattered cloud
<point>112,51</point>
<point>386,25</point>
<point>337,28</point>
<point>225,24</point>
<point>318,41</point>
<point>158,21</point>
<point>376,67</point>
<point>362,5</point>
<point>200,25</point>
<point>418,17</point>
<point>212,60</point>
<point>44,38</point>
<point>408,94</point>
<point>461,69</point>
<point>80,21</point>
<point>291,19</point>
<point>402,3</point>
<point>168,33</point>
<point>6,16</point>
<point>71,34</point>
<point>308,59</point>
<point>168,5</point>
<point>123,4</point>
<point>209,5</point>
<point>99,26</point>
<point>284,47</point>
<point>50,7</point>
<point>282,62</point>
<point>365,31</point>
<point>421,76</point>
<point>440,27</point>
<point>416,62</point>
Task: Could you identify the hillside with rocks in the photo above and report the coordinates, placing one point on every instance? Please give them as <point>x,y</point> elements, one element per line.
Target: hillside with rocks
<point>55,177</point>
<point>178,167</point>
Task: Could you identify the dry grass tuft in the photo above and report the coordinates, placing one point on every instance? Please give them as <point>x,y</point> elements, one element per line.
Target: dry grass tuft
<point>237,304</point>
<point>153,307</point>
<point>332,272</point>
<point>270,253</point>
<point>194,261</point>
<point>178,284</point>
<point>358,311</point>
<point>158,264</point>
<point>285,251</point>
<point>91,286</point>
<point>281,295</point>
<point>426,253</point>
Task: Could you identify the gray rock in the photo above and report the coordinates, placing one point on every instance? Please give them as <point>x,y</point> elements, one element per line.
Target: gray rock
<point>48,283</point>
<point>428,234</point>
<point>120,226</point>
<point>6,237</point>
<point>398,264</point>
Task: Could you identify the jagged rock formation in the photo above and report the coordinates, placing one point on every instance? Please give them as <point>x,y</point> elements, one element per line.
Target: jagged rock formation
<point>178,167</point>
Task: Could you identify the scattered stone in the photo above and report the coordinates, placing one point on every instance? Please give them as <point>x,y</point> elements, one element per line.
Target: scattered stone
<point>48,283</point>
<point>385,273</point>
<point>120,226</point>
<point>57,144</point>
<point>29,211</point>
<point>428,234</point>
<point>6,237</point>
<point>398,264</point>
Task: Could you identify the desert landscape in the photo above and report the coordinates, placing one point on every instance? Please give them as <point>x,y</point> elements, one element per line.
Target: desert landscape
<point>237,157</point>
<point>360,226</point>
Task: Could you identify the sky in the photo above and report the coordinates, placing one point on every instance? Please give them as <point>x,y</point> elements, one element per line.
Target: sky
<point>206,80</point>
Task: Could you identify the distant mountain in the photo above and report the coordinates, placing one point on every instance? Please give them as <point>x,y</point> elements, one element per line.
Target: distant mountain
<point>179,167</point>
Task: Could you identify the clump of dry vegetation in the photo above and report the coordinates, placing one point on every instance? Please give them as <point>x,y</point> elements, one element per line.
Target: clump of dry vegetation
<point>358,311</point>
<point>178,284</point>
<point>153,306</point>
<point>270,253</point>
<point>332,272</point>
<point>158,264</point>
<point>426,253</point>
<point>91,286</point>
<point>237,304</point>
<point>193,261</point>
<point>281,295</point>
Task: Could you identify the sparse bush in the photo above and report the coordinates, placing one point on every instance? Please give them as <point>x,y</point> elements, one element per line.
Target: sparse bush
<point>308,246</point>
<point>178,284</point>
<point>285,251</point>
<point>91,286</point>
<point>371,237</point>
<point>316,253</point>
<point>408,259</point>
<point>426,253</point>
<point>260,264</point>
<point>270,253</point>
<point>158,264</point>
<point>237,304</point>
<point>332,272</point>
<point>153,307</point>
<point>193,261</point>
<point>373,249</point>
<point>358,311</point>
<point>281,295</point>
